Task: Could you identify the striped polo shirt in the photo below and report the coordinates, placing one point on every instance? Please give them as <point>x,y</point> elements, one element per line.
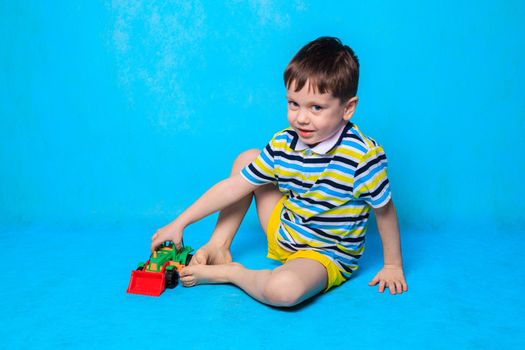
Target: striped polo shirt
<point>329,190</point>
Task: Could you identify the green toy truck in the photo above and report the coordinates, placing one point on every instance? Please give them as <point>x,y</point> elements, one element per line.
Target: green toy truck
<point>161,271</point>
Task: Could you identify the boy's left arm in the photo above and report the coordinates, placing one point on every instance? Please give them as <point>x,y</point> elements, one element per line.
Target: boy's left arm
<point>391,275</point>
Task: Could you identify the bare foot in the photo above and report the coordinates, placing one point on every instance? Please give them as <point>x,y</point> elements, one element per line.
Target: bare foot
<point>207,274</point>
<point>211,254</point>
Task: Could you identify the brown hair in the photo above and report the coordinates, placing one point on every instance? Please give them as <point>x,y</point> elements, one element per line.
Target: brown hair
<point>328,65</point>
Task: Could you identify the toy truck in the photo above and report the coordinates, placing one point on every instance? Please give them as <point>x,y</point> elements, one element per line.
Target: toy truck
<point>161,271</point>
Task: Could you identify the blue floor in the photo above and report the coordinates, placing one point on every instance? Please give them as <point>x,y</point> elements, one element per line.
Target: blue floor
<point>67,289</point>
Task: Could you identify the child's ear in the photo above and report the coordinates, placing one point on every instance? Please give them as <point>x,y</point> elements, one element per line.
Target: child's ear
<point>350,106</point>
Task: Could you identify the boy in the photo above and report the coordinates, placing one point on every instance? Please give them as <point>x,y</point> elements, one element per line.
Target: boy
<point>313,184</point>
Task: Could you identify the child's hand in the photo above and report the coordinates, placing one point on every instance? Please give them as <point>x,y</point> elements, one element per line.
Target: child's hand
<point>392,277</point>
<point>169,232</point>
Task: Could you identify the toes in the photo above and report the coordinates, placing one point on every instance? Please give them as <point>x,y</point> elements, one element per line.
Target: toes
<point>185,272</point>
<point>199,258</point>
<point>188,281</point>
<point>202,258</point>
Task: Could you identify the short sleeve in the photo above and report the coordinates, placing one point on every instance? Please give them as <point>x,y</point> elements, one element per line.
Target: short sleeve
<point>370,180</point>
<point>261,170</point>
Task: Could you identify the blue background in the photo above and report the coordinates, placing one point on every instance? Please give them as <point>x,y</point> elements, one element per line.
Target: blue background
<point>115,116</point>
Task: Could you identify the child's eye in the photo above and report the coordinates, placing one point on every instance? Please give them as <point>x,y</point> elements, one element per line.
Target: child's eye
<point>292,104</point>
<point>317,108</point>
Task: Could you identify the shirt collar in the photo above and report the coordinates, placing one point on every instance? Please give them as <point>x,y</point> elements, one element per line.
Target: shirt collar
<point>322,147</point>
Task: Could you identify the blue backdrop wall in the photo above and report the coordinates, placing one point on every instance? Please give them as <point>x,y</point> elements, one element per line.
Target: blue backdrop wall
<point>123,112</point>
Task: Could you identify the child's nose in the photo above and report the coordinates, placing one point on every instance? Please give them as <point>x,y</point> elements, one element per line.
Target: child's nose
<point>302,117</point>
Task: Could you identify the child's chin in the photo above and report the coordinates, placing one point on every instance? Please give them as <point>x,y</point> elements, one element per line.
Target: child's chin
<point>308,140</point>
<point>311,142</point>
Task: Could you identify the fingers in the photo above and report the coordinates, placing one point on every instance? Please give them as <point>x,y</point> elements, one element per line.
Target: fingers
<point>162,236</point>
<point>154,244</point>
<point>392,287</point>
<point>399,287</point>
<point>156,240</point>
<point>374,281</point>
<point>395,287</point>
<point>391,278</point>
<point>382,285</point>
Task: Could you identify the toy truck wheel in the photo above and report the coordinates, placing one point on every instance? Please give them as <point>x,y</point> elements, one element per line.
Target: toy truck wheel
<point>188,259</point>
<point>172,278</point>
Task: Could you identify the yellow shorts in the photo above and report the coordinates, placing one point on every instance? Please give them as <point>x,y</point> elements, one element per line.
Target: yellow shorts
<point>275,252</point>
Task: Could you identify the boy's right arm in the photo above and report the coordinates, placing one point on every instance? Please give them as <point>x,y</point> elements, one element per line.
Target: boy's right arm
<point>221,195</point>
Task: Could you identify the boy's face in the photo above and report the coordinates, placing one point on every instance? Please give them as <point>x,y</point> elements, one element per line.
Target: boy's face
<point>315,116</point>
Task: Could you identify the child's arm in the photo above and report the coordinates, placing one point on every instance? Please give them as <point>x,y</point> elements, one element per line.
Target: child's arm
<point>219,196</point>
<point>391,275</point>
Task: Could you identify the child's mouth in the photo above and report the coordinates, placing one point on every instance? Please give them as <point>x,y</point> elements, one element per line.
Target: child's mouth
<point>305,133</point>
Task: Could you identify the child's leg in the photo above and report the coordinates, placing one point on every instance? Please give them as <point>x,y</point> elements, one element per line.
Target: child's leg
<point>287,285</point>
<point>217,250</point>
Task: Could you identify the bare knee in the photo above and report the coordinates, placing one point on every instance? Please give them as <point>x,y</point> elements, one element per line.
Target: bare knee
<point>283,289</point>
<point>244,159</point>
